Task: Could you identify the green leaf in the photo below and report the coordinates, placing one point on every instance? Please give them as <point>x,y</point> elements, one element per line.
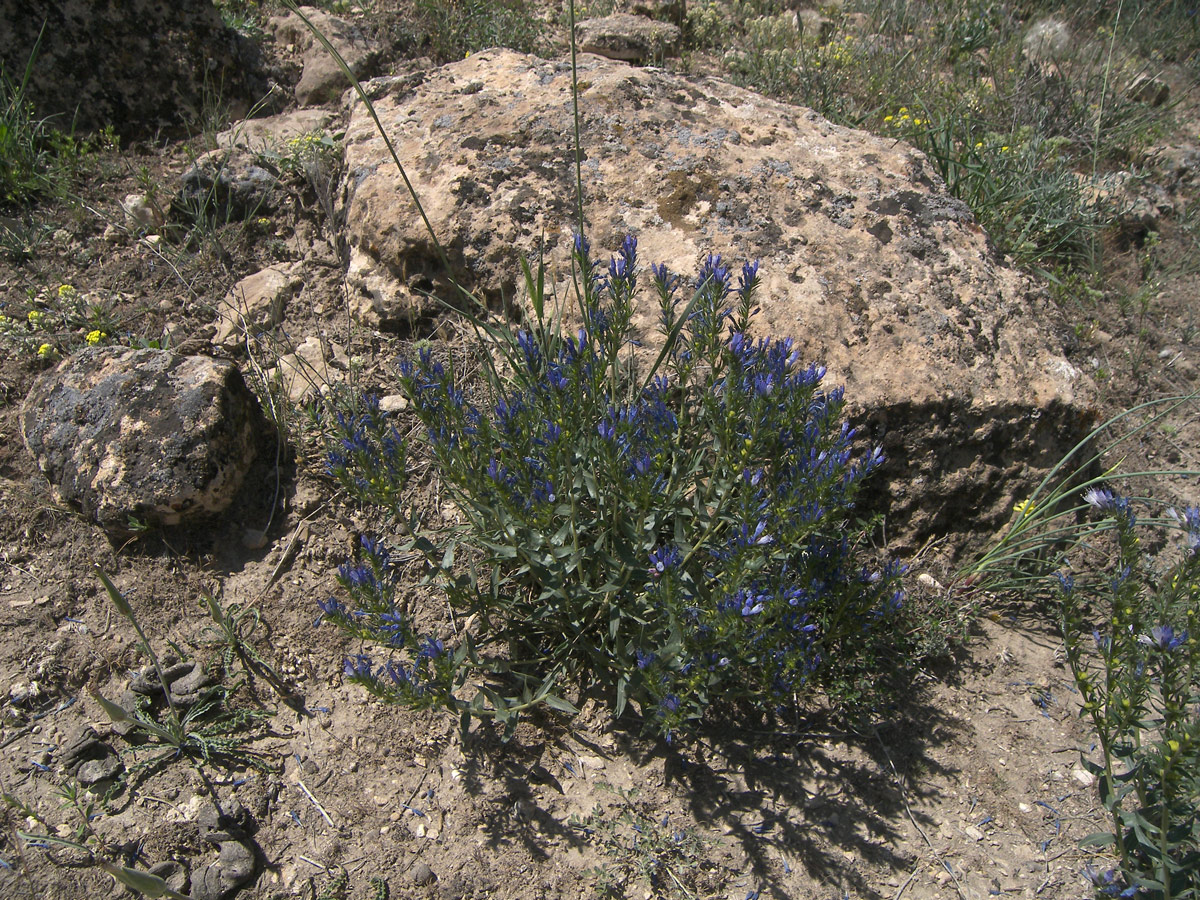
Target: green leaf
<point>1099,839</point>
<point>622,688</point>
<point>118,600</point>
<point>47,839</point>
<point>535,287</point>
<point>115,711</point>
<point>214,608</point>
<point>118,713</point>
<point>142,882</point>
<point>562,705</point>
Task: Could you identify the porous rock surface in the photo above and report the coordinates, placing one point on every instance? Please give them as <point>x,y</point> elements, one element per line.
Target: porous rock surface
<point>256,303</point>
<point>321,78</point>
<point>142,433</point>
<point>227,185</point>
<point>867,262</point>
<point>635,39</point>
<point>141,66</point>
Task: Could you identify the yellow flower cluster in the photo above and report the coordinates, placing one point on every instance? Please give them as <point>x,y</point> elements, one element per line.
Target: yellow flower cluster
<point>305,141</point>
<point>95,336</point>
<point>46,351</point>
<point>840,52</point>
<point>903,119</point>
<point>1025,508</point>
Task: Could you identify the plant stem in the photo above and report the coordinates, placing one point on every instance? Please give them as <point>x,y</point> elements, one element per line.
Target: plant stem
<point>575,112</point>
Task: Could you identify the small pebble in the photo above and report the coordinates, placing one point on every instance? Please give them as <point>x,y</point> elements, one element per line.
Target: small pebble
<point>254,539</point>
<point>393,403</point>
<point>422,874</point>
<point>928,582</point>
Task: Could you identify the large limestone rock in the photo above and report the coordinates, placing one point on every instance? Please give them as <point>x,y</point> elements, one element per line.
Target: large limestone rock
<point>867,262</point>
<point>145,434</point>
<point>321,78</point>
<point>141,66</point>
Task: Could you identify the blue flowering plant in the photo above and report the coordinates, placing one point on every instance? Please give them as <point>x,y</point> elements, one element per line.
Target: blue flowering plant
<point>1130,631</point>
<point>670,531</point>
<point>1121,573</point>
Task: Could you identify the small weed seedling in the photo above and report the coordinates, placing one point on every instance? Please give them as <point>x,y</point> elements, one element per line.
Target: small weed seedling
<point>207,731</point>
<point>86,841</point>
<point>643,850</point>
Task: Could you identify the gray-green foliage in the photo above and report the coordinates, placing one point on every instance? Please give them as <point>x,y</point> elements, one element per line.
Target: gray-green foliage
<point>208,731</point>
<point>1095,546</point>
<point>456,28</point>
<point>1130,623</point>
<point>675,536</point>
<point>1020,140</point>
<point>644,851</point>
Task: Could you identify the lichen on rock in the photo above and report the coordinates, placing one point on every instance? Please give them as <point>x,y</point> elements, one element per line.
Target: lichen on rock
<point>143,436</point>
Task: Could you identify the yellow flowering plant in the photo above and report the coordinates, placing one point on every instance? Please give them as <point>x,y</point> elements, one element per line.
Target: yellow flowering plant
<point>59,319</point>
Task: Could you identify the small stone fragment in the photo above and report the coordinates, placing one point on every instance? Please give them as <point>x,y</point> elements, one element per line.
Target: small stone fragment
<point>95,771</point>
<point>255,303</point>
<point>141,214</point>
<point>89,760</point>
<point>236,862</point>
<point>186,681</point>
<point>311,369</point>
<point>930,583</point>
<point>227,186</point>
<point>1147,89</point>
<point>234,867</point>
<point>393,403</point>
<point>321,77</point>
<point>218,825</point>
<point>422,874</point>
